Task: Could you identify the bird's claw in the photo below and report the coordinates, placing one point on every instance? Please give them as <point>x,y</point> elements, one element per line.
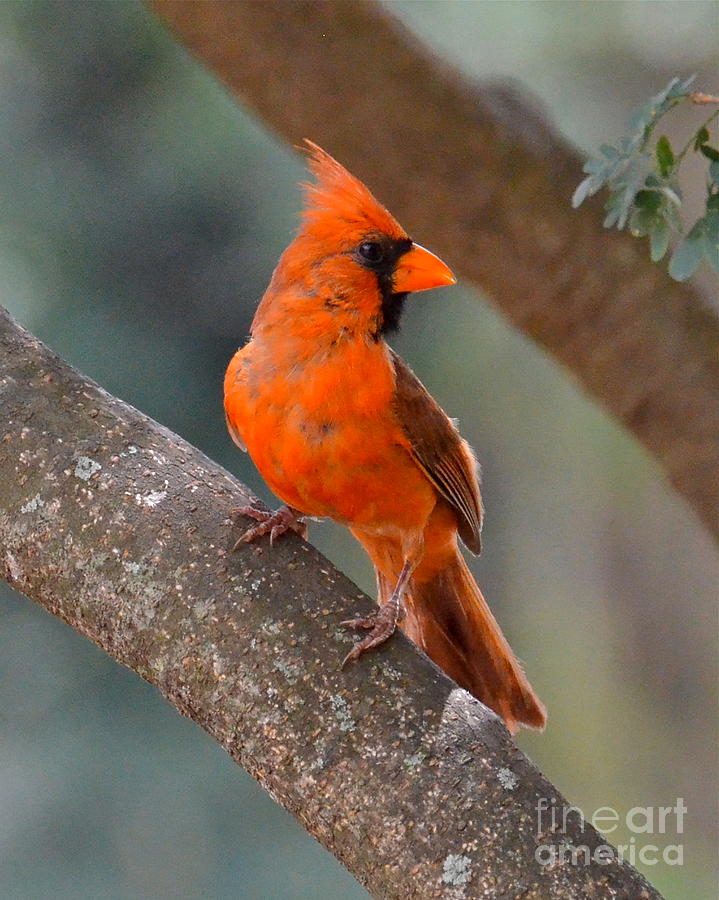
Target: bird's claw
<point>367,622</point>
<point>272,523</point>
<point>381,626</point>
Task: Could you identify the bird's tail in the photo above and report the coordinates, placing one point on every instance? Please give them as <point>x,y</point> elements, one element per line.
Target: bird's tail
<point>450,620</point>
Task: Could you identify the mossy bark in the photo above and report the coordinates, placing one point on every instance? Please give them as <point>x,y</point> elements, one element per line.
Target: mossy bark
<point>120,528</point>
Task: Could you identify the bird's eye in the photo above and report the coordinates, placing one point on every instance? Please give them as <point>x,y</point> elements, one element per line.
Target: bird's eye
<point>372,251</point>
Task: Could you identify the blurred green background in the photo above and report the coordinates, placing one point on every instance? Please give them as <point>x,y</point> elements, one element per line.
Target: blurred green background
<point>141,213</point>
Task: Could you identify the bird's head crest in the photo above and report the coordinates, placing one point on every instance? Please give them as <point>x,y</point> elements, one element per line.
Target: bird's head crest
<point>351,265</point>
<point>338,202</point>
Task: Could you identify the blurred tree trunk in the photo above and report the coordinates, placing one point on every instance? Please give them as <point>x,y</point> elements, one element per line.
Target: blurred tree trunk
<point>475,171</point>
<point>120,528</point>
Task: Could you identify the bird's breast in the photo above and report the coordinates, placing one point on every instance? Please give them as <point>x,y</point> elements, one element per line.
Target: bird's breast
<point>321,430</point>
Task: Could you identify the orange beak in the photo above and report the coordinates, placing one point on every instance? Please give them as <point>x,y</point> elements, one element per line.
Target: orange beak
<point>420,270</point>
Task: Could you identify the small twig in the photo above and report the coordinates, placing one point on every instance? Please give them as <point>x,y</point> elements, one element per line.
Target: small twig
<point>700,98</point>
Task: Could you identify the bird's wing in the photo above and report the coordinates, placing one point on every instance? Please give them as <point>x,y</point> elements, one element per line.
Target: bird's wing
<point>438,449</point>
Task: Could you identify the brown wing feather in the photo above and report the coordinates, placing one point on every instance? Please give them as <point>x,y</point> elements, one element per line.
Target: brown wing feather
<point>438,449</point>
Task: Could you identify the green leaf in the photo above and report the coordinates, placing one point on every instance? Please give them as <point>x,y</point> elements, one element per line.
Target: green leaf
<point>641,222</point>
<point>642,117</point>
<point>611,218</point>
<point>610,152</point>
<point>711,238</point>
<point>714,172</point>
<point>701,138</point>
<point>583,190</point>
<point>665,155</point>
<point>649,200</point>
<point>681,88</point>
<point>711,224</point>
<point>623,207</point>
<point>593,166</point>
<point>659,241</point>
<point>625,185</point>
<point>688,254</point>
<point>673,195</point>
<point>628,145</point>
<point>660,103</point>
<point>617,209</point>
<point>672,217</point>
<point>709,152</point>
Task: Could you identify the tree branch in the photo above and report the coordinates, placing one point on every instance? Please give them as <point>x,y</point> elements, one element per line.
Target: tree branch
<point>478,173</point>
<point>120,528</point>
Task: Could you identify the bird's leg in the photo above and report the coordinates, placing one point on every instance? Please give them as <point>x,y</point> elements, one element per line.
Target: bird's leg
<point>382,623</point>
<point>273,523</point>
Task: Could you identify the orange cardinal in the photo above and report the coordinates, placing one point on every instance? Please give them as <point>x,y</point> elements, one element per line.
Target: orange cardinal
<point>339,426</point>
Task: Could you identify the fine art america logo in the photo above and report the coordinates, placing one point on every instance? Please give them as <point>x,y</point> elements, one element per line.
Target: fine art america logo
<point>652,829</point>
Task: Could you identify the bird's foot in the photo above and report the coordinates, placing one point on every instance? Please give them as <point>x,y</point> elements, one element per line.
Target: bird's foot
<point>273,523</point>
<point>381,626</point>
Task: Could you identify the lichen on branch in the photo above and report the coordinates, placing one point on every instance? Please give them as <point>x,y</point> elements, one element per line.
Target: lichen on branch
<point>120,528</point>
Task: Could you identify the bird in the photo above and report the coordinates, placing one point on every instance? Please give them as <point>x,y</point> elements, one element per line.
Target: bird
<point>340,427</point>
